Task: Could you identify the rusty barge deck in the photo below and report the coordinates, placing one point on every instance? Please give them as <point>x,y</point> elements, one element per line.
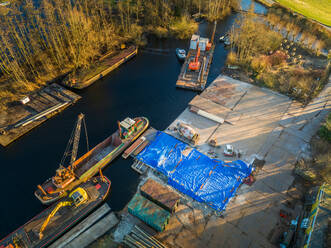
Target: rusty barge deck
<point>195,80</point>
<point>28,235</point>
<point>105,65</point>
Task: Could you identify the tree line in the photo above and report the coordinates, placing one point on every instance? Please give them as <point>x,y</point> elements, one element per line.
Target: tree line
<point>56,36</point>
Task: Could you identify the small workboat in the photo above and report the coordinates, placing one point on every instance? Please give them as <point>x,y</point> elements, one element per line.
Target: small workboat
<point>55,220</point>
<point>227,41</point>
<point>181,54</point>
<point>91,162</point>
<point>221,39</point>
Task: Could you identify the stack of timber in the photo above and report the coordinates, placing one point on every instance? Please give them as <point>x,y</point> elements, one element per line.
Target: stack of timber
<point>196,79</point>
<point>105,65</point>
<point>140,238</point>
<point>149,212</point>
<point>161,195</point>
<point>133,147</point>
<point>42,105</point>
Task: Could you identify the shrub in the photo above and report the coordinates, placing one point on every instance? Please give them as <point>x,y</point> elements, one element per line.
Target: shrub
<point>231,58</point>
<point>260,63</point>
<point>277,58</point>
<point>183,28</point>
<point>269,79</point>
<point>325,130</point>
<point>159,32</point>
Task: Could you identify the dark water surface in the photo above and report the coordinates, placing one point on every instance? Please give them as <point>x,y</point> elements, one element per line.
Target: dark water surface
<point>145,86</point>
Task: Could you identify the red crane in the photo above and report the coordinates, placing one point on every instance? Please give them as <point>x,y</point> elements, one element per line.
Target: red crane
<point>195,64</point>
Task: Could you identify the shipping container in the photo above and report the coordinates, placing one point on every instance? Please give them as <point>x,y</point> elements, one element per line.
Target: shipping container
<point>194,41</point>
<point>203,43</point>
<point>150,213</point>
<point>161,195</point>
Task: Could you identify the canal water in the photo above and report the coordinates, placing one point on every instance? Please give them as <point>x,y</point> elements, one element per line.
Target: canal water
<point>145,86</point>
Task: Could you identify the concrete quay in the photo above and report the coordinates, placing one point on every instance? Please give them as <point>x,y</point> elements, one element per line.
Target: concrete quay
<point>260,124</point>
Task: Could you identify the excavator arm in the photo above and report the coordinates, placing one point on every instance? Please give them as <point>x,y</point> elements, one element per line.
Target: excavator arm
<point>58,206</point>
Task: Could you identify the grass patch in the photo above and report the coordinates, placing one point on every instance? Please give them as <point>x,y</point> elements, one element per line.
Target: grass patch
<point>318,10</point>
<point>325,131</point>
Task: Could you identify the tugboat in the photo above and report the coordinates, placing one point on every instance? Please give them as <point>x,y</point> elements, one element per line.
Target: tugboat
<point>181,54</point>
<point>44,228</point>
<point>90,163</point>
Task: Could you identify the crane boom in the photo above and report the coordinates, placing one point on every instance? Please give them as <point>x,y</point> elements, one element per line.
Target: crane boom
<point>72,146</point>
<point>76,138</point>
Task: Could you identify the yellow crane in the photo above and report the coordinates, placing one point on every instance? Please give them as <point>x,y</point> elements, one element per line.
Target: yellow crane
<point>77,197</point>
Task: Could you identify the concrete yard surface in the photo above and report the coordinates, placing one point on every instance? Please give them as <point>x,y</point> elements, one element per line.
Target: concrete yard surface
<point>258,123</point>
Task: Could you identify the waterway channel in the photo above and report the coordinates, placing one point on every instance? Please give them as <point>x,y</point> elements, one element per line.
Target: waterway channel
<point>145,86</point>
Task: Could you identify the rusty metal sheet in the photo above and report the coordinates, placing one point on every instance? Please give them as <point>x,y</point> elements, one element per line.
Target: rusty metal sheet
<point>225,92</point>
<point>210,106</point>
<point>161,195</point>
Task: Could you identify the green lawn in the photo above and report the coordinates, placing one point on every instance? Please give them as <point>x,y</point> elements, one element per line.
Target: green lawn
<point>319,10</point>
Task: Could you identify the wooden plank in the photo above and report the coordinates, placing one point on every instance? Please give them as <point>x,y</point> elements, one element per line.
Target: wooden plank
<point>94,232</point>
<point>133,147</point>
<point>140,148</point>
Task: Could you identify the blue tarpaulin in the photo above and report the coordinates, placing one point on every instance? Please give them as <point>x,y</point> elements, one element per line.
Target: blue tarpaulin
<point>222,183</point>
<point>193,173</point>
<point>163,154</point>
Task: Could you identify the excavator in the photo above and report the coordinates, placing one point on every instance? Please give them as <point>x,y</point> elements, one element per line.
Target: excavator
<point>195,64</point>
<point>77,198</point>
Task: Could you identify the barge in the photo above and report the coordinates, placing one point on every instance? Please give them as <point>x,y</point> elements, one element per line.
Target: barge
<point>201,53</point>
<point>195,70</point>
<point>92,162</point>
<point>51,223</point>
<point>105,65</point>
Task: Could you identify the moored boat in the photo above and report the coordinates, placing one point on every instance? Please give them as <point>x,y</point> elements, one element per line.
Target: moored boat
<point>90,163</point>
<point>85,77</point>
<point>222,38</point>
<point>181,54</point>
<point>47,226</point>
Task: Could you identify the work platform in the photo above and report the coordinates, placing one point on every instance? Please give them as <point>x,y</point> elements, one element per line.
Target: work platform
<point>195,80</point>
<point>44,104</point>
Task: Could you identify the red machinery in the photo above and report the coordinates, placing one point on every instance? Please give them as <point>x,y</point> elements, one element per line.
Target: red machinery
<point>195,65</point>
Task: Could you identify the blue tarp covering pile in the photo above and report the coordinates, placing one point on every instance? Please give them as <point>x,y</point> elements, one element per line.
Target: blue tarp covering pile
<point>204,179</point>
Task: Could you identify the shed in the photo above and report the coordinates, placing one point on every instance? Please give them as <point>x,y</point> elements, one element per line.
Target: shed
<point>148,212</point>
<point>194,41</point>
<point>160,194</point>
<point>203,43</point>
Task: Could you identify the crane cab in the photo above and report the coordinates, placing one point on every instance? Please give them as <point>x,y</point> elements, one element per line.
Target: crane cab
<point>78,196</point>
